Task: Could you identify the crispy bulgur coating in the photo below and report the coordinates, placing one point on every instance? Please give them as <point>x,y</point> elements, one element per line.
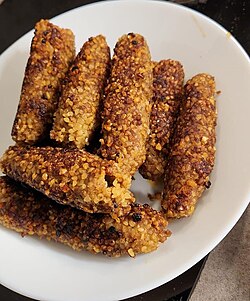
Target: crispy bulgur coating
<point>78,113</point>
<point>192,154</point>
<point>70,176</point>
<point>168,77</point>
<point>127,104</point>
<point>52,51</point>
<point>31,213</point>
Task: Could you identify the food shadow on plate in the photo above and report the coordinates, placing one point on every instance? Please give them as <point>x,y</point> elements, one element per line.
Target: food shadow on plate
<point>13,72</point>
<point>142,188</point>
<point>11,78</point>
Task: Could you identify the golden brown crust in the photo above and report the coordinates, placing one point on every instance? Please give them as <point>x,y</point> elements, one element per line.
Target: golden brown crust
<point>168,77</point>
<point>52,51</point>
<point>31,213</point>
<point>78,113</point>
<point>192,153</point>
<point>70,176</point>
<point>127,104</point>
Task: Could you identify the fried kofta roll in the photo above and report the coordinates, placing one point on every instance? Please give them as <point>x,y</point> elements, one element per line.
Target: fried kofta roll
<point>127,107</point>
<point>31,213</point>
<point>78,113</point>
<point>168,77</point>
<point>52,51</point>
<point>71,177</point>
<point>192,155</point>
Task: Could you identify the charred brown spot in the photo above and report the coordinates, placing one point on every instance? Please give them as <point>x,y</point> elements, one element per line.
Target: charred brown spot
<point>44,96</point>
<point>203,168</point>
<point>68,229</point>
<point>112,233</point>
<point>109,179</point>
<point>85,239</point>
<point>131,34</point>
<point>74,68</point>
<point>208,184</point>
<point>55,33</point>
<point>136,217</point>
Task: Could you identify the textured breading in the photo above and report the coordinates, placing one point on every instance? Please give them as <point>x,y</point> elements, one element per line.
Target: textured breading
<point>168,77</point>
<point>78,113</point>
<point>52,51</point>
<point>127,104</point>
<point>31,213</point>
<point>192,153</point>
<point>70,176</point>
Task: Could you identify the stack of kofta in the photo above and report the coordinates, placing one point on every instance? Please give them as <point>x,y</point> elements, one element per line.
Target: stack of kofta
<point>86,124</point>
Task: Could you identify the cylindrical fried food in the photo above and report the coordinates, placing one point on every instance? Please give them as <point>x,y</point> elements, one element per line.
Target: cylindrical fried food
<point>192,153</point>
<point>78,113</point>
<point>168,77</point>
<point>31,213</point>
<point>70,176</point>
<point>52,51</point>
<point>127,104</point>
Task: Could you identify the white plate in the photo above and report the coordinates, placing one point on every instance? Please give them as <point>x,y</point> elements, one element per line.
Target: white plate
<point>50,271</point>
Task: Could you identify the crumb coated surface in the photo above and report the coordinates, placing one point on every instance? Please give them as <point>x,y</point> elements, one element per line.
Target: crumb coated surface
<point>127,104</point>
<point>192,153</point>
<point>31,213</point>
<point>70,176</point>
<point>52,51</point>
<point>168,77</point>
<point>78,113</point>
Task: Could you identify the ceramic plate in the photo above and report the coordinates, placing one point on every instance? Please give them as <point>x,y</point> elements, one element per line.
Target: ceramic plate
<point>49,271</point>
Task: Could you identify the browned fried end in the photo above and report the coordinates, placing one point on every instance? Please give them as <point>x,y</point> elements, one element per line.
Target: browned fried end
<point>52,51</point>
<point>127,104</point>
<point>70,176</point>
<point>78,113</point>
<point>31,213</point>
<point>192,154</point>
<point>168,77</point>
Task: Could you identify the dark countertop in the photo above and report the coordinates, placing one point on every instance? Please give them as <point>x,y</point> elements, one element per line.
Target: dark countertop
<point>18,17</point>
<point>227,271</point>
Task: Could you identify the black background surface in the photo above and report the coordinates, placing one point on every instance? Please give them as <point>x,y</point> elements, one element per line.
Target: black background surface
<point>18,17</point>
